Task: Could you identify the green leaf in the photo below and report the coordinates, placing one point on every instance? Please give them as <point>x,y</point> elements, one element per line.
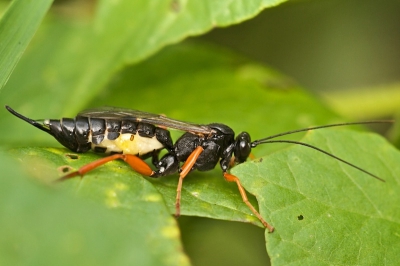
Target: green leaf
<point>222,84</point>
<point>17,27</point>
<point>82,56</point>
<point>326,212</point>
<point>43,225</point>
<point>223,80</point>
<point>191,82</point>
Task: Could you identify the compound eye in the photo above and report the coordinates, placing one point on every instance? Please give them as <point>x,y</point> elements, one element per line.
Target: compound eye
<point>242,147</point>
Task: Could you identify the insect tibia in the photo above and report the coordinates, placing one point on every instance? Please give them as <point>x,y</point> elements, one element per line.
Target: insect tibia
<point>41,124</point>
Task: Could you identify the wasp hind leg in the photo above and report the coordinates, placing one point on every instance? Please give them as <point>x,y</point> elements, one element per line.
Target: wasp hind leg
<point>134,162</point>
<point>232,178</point>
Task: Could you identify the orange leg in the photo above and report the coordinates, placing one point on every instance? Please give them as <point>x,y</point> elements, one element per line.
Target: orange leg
<point>187,166</point>
<point>135,162</point>
<point>232,178</point>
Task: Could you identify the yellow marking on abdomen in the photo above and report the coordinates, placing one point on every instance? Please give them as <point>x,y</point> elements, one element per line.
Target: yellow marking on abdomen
<point>131,144</point>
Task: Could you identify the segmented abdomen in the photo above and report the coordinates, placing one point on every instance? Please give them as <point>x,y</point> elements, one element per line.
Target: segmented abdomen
<point>109,135</point>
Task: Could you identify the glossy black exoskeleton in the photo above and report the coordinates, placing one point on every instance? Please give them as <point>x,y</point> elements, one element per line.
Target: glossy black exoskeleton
<point>90,129</point>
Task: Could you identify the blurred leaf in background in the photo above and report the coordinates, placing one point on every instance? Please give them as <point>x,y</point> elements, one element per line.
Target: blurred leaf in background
<point>336,48</point>
<point>100,57</point>
<point>17,27</point>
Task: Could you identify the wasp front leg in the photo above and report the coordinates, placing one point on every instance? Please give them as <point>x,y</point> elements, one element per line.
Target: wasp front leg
<point>231,178</point>
<point>225,163</point>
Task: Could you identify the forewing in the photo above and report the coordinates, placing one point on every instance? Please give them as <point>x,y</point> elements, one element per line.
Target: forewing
<point>139,116</point>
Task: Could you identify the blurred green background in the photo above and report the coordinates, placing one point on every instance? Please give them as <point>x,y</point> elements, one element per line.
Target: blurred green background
<point>346,52</point>
<point>324,45</point>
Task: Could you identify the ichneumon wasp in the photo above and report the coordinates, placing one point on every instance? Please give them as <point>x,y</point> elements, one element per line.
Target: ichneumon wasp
<point>133,136</point>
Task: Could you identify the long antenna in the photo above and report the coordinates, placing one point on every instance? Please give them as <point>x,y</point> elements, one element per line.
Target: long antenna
<point>324,152</point>
<point>256,142</point>
<point>267,140</point>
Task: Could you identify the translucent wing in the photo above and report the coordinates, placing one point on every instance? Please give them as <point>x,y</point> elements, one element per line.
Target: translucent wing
<point>139,116</point>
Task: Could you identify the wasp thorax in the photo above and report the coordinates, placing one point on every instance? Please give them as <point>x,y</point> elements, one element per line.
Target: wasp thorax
<point>242,147</point>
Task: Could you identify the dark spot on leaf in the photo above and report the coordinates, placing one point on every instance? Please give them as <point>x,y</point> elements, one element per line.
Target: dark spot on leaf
<point>260,160</point>
<point>72,156</point>
<point>65,169</point>
<point>300,217</point>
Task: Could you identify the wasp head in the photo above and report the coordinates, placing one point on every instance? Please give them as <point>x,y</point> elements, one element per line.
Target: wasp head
<point>242,147</point>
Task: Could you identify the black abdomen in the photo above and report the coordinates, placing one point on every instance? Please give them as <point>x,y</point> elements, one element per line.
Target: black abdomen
<point>71,133</point>
<point>108,135</point>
